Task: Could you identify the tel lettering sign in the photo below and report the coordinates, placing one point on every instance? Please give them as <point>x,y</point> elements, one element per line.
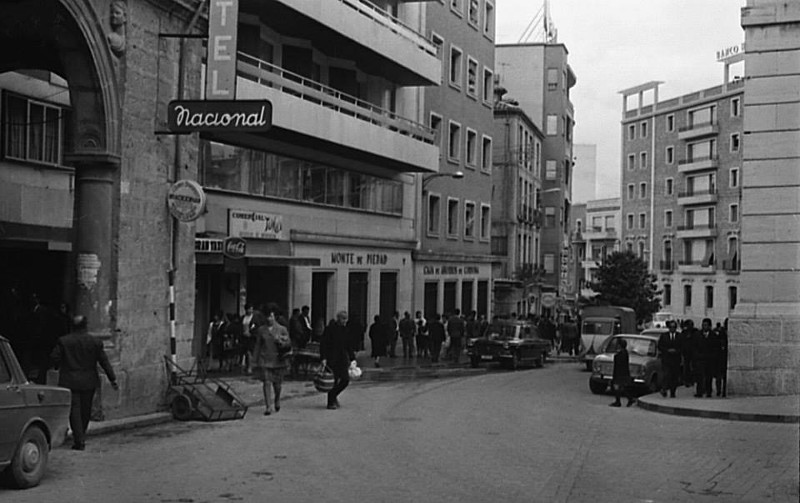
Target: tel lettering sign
<point>187,116</point>
<point>234,247</point>
<point>223,18</point>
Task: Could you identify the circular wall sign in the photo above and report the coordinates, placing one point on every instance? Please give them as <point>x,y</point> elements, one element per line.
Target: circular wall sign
<point>234,247</point>
<point>548,300</point>
<point>186,200</point>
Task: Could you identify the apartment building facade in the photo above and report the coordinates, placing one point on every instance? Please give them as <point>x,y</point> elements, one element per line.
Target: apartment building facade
<point>596,234</point>
<point>538,75</point>
<point>453,264</point>
<point>681,194</point>
<point>517,215</point>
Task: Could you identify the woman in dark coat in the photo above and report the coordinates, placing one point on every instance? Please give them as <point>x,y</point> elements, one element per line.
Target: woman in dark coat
<point>436,334</point>
<point>621,380</point>
<point>377,336</point>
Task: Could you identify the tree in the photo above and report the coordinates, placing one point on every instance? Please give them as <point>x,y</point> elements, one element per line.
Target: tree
<point>623,280</point>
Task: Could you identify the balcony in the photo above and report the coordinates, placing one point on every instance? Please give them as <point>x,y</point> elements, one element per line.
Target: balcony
<point>666,266</point>
<point>696,266</point>
<point>689,197</point>
<point>600,234</point>
<point>698,163</point>
<point>698,130</point>
<point>528,215</point>
<point>696,231</point>
<point>732,266</point>
<point>366,33</point>
<point>322,116</point>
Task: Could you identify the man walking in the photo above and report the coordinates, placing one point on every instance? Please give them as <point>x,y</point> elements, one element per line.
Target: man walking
<point>670,345</point>
<point>336,351</point>
<point>76,356</point>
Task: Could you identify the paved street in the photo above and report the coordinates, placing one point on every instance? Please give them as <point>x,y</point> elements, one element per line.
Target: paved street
<point>533,435</point>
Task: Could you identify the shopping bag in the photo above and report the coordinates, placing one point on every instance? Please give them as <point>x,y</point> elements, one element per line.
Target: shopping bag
<point>354,371</point>
<point>323,380</point>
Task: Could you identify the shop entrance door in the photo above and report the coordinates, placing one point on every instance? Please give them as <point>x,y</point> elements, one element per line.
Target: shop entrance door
<point>466,297</point>
<point>319,300</point>
<point>449,297</point>
<point>431,299</point>
<point>388,300</point>
<point>358,291</point>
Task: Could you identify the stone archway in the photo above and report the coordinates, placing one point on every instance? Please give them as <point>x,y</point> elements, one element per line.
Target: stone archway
<point>66,38</point>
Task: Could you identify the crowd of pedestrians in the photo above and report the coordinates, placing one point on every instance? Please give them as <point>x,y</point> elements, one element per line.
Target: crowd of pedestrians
<point>694,357</point>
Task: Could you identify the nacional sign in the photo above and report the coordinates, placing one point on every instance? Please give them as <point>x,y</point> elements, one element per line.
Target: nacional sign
<point>254,224</point>
<point>235,115</point>
<point>186,200</point>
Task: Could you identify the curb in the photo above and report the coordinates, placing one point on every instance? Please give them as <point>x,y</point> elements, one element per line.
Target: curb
<point>97,428</point>
<point>717,414</point>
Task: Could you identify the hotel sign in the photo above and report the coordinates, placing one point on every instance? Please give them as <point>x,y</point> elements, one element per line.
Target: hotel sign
<point>254,224</point>
<point>226,116</point>
<point>223,17</point>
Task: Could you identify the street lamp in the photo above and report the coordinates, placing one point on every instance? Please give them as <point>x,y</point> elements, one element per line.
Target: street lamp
<point>456,175</point>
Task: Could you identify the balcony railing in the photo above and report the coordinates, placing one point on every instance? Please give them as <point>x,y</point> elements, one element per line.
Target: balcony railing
<point>697,263</point>
<point>698,159</point>
<point>269,75</point>
<point>697,125</point>
<point>380,16</point>
<point>667,265</point>
<point>697,227</point>
<point>703,192</point>
<point>732,265</point>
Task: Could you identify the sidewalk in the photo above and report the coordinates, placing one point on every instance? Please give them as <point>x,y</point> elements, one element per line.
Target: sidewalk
<point>769,409</point>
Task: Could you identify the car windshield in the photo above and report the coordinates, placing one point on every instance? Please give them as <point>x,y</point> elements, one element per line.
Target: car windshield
<point>502,332</point>
<point>662,317</point>
<point>636,346</point>
<point>598,327</point>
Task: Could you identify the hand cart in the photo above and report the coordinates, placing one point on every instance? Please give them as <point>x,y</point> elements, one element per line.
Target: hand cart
<point>194,395</point>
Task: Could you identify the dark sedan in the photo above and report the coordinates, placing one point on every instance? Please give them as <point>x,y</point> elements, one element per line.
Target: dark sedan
<point>509,342</point>
<point>33,420</point>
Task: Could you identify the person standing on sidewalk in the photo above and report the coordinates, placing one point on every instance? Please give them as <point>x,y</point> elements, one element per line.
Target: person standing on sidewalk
<point>422,335</point>
<point>76,357</point>
<point>392,332</point>
<point>407,329</point>
<point>269,365</point>
<point>621,379</point>
<point>336,351</point>
<point>704,357</point>
<point>377,338</point>
<point>436,337</point>
<point>670,345</point>
<point>455,330</point>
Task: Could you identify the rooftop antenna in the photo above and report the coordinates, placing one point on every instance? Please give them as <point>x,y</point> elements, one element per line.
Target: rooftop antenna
<point>541,27</point>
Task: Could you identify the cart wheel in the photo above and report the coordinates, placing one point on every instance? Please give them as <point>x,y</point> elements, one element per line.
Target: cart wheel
<point>182,409</point>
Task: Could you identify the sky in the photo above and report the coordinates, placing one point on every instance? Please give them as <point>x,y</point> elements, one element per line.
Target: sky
<point>618,44</point>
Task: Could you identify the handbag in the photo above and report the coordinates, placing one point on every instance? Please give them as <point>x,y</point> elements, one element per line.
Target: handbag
<point>323,380</point>
<point>354,371</point>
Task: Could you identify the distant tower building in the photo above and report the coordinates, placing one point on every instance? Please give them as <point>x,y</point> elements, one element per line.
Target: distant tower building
<point>584,179</point>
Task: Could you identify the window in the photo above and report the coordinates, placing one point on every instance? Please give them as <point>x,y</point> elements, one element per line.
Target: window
<point>643,129</point>
<point>473,12</point>
<point>456,5</point>
<point>486,154</point>
<point>669,186</point>
<point>5,372</point>
<point>488,85</point>
<point>733,297</point>
<point>671,122</point>
<point>735,142</point>
<point>667,295</point>
<point>438,42</point>
<point>454,141</point>
<point>434,211</point>
<point>33,130</point>
<point>469,220</point>
<point>632,131</point>
<point>610,223</point>
<point>488,19</point>
<point>549,263</point>
<point>643,160</point>
<point>702,116</point>
<point>486,222</point>
<point>630,220</point>
<point>701,151</point>
<point>550,169</point>
<point>552,79</point>
<point>472,148</point>
<point>642,220</point>
<point>670,155</point>
<point>668,219</point>
<point>629,246</point>
<point>472,76</point>
<point>549,217</point>
<point>734,178</point>
<point>455,66</point>
<point>643,190</point>
<point>735,107</point>
<point>631,191</point>
<point>631,162</point>
<point>552,125</point>
<point>709,297</point>
<point>452,217</point>
<point>734,213</point>
<point>641,249</point>
<point>687,295</point>
<point>435,122</point>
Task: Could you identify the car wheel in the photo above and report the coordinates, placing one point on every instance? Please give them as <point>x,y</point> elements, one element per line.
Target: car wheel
<point>474,362</point>
<point>182,409</point>
<point>597,387</point>
<point>30,460</point>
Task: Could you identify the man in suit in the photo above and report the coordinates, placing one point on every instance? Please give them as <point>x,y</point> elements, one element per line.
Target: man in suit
<point>670,345</point>
<point>336,350</point>
<point>456,329</point>
<point>704,352</point>
<point>76,356</point>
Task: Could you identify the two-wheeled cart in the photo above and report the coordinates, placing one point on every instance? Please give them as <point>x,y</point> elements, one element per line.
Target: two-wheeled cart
<point>192,394</point>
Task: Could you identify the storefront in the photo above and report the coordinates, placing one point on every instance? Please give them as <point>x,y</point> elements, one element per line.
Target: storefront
<point>442,287</point>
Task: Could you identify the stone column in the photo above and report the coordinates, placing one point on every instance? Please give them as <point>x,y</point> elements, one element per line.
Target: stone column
<point>764,331</point>
<point>95,241</point>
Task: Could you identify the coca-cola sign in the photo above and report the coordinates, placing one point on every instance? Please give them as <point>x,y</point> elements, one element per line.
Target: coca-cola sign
<point>234,247</point>
<point>219,115</point>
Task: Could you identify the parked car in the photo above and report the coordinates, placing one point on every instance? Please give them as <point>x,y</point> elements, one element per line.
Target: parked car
<point>33,420</point>
<point>644,364</point>
<point>511,342</point>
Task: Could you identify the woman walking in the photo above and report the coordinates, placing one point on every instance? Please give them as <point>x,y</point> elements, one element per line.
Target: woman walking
<point>378,339</point>
<point>269,365</point>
